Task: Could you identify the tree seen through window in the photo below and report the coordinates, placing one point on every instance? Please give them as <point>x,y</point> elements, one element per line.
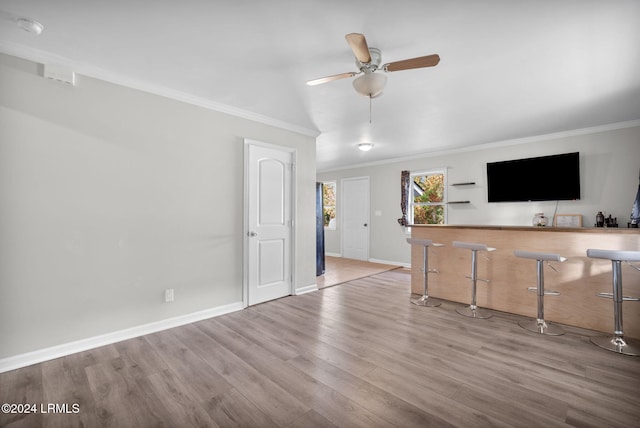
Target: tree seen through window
<point>329,204</point>
<point>427,193</point>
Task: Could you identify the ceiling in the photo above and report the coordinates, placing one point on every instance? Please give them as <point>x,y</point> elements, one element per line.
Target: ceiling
<point>509,69</point>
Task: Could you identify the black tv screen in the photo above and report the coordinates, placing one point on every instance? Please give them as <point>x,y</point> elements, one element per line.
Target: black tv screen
<point>545,178</point>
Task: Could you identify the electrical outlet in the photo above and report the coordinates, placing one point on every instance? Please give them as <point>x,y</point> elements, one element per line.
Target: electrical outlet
<point>168,295</point>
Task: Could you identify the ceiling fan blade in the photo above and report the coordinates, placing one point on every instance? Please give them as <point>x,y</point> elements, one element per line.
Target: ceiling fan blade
<point>420,62</point>
<point>359,46</point>
<point>331,78</point>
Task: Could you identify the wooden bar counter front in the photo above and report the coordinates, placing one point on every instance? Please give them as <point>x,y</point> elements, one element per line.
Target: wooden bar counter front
<point>578,279</point>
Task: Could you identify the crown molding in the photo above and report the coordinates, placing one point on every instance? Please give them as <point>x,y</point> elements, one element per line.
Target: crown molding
<point>42,57</point>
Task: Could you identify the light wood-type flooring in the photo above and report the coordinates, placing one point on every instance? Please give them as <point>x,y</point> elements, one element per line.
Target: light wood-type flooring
<point>356,355</point>
<point>339,270</point>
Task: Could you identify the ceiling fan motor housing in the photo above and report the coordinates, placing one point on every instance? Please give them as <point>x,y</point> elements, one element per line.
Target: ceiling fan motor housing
<point>376,60</point>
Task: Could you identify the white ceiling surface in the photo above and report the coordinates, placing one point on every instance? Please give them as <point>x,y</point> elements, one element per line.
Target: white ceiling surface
<point>509,69</point>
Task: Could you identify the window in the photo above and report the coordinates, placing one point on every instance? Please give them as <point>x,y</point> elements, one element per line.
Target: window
<point>329,204</point>
<point>427,198</point>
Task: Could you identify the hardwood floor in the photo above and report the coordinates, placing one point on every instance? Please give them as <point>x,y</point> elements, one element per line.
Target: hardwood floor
<point>356,355</point>
<point>339,270</point>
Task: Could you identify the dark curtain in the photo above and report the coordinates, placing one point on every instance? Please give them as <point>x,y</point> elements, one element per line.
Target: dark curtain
<point>405,177</point>
<point>320,266</point>
<point>635,210</point>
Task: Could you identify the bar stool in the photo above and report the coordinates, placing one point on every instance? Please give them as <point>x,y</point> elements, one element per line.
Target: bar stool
<point>472,310</point>
<point>425,300</point>
<point>617,343</point>
<point>539,325</point>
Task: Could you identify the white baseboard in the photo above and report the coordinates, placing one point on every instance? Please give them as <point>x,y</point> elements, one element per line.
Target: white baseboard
<point>34,357</point>
<point>384,262</point>
<point>307,289</point>
<point>388,262</point>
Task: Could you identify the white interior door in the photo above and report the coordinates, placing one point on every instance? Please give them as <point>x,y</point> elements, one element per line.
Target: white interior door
<point>355,215</point>
<point>268,233</point>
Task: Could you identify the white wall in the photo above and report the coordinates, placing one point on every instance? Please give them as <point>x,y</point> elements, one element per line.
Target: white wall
<point>609,168</point>
<point>110,195</point>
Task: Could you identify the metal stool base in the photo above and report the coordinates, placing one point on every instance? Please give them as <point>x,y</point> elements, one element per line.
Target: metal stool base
<point>474,312</point>
<point>617,344</point>
<point>542,327</point>
<point>426,301</point>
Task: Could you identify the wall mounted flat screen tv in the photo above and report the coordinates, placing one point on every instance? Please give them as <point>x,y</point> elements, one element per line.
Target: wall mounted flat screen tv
<point>545,178</point>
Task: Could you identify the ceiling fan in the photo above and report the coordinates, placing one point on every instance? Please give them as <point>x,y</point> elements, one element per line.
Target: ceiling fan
<point>368,60</point>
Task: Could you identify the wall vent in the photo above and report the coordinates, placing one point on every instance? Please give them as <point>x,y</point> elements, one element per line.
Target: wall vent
<point>59,74</point>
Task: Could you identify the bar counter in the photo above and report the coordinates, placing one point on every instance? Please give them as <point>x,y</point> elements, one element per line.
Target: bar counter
<point>578,279</point>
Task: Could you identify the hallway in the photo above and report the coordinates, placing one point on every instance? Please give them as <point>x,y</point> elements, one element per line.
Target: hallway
<point>339,270</point>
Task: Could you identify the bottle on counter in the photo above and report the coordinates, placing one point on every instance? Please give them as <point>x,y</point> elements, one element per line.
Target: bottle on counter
<point>599,219</point>
<point>611,221</point>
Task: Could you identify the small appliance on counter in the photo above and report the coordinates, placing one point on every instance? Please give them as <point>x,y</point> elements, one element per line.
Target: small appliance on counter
<point>539,220</point>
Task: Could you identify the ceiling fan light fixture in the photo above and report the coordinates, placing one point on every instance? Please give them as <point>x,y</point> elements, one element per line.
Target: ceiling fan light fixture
<point>30,26</point>
<point>370,84</point>
<point>365,147</point>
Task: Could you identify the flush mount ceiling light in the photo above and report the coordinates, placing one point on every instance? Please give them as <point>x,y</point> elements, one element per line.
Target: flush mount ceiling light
<point>365,147</point>
<point>30,26</point>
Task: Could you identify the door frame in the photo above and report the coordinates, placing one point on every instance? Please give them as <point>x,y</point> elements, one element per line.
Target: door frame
<point>245,226</point>
<point>342,212</point>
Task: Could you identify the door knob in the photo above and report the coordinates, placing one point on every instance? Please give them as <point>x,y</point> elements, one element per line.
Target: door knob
<point>365,225</point>
<point>252,234</point>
